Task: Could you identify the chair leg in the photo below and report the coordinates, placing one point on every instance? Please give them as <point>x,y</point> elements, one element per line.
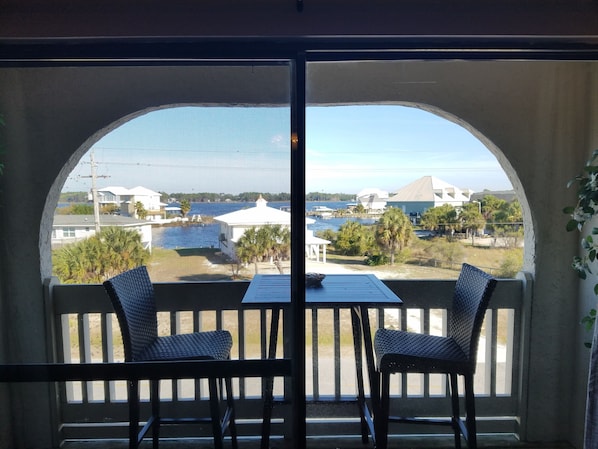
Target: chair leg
<point>215,412</point>
<point>133,413</point>
<point>155,400</point>
<point>232,427</point>
<point>470,410</point>
<point>454,391</point>
<point>382,412</point>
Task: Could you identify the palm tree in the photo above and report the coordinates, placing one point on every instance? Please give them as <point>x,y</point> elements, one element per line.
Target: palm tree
<point>360,209</point>
<point>508,222</point>
<point>251,247</point>
<point>185,207</point>
<point>269,241</point>
<point>140,210</point>
<point>124,249</point>
<point>491,204</point>
<point>277,239</point>
<point>442,218</point>
<point>99,257</point>
<point>393,232</point>
<point>472,219</point>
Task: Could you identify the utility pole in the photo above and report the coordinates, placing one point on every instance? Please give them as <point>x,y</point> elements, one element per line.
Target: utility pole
<point>94,191</point>
<point>94,194</point>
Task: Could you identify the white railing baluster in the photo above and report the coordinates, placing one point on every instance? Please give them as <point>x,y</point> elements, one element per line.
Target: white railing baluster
<point>509,351</point>
<point>85,352</point>
<point>107,345</point>
<point>330,361</point>
<point>67,346</point>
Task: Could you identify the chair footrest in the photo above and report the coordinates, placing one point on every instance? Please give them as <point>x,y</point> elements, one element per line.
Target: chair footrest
<point>167,421</point>
<point>410,420</point>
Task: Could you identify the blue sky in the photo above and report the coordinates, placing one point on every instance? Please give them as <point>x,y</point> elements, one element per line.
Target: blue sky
<point>237,149</point>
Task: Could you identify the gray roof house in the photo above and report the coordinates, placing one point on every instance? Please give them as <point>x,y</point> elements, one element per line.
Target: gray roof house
<point>427,192</point>
<point>73,228</point>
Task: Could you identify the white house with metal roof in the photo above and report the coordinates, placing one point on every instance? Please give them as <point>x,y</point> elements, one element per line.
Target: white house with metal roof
<point>234,224</point>
<point>427,192</point>
<point>125,199</point>
<point>73,228</point>
<point>373,200</point>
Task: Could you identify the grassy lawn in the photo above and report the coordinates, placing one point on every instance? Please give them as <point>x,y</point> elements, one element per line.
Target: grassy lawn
<point>208,264</point>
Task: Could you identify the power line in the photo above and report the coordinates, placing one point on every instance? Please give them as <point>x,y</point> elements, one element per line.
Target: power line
<point>344,169</point>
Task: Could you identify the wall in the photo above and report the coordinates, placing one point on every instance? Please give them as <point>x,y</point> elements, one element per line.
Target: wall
<point>534,116</point>
<point>431,18</point>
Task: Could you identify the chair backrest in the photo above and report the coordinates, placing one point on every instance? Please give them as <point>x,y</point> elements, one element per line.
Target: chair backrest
<point>132,296</point>
<point>470,301</point>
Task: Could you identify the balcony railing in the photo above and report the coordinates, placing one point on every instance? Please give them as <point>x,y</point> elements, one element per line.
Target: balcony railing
<point>85,330</point>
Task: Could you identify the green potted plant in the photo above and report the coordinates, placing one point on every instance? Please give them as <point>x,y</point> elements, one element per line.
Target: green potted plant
<point>580,214</point>
<point>584,212</point>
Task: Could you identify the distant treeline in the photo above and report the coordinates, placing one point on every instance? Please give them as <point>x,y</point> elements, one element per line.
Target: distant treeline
<point>204,197</point>
<point>250,197</point>
<point>73,197</point>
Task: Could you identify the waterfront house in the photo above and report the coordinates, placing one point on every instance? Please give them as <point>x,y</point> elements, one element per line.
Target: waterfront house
<point>126,199</point>
<point>428,192</point>
<point>74,228</point>
<point>373,200</point>
<point>234,224</point>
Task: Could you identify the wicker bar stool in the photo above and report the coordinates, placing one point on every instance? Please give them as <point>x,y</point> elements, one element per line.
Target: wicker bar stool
<point>408,352</point>
<point>132,296</point>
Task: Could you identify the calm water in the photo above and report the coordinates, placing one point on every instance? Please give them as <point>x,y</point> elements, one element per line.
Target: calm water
<point>196,236</point>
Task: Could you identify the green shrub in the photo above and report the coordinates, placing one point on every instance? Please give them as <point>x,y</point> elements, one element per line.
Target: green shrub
<point>511,264</point>
<point>374,260</point>
<point>445,253</point>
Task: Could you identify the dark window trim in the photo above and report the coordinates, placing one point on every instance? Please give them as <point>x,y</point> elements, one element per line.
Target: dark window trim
<point>228,51</point>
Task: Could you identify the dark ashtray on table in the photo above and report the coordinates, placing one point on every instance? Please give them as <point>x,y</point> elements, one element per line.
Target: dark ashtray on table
<point>314,279</point>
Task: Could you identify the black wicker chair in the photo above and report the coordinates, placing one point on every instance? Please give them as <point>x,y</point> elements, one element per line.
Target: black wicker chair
<point>132,296</point>
<point>407,352</point>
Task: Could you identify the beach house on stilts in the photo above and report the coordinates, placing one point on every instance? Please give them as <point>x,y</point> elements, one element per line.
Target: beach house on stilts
<point>234,224</point>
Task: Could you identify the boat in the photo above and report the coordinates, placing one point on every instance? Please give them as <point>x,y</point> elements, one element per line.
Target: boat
<point>322,211</point>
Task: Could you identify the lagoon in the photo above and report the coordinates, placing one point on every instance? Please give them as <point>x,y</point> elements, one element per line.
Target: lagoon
<point>206,236</point>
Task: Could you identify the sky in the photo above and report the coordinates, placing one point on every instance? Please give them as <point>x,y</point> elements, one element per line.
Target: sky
<point>242,149</point>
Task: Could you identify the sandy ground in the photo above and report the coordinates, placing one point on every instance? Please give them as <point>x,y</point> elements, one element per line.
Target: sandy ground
<point>187,265</point>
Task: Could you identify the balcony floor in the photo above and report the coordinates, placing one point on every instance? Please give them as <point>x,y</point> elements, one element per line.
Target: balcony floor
<point>425,442</point>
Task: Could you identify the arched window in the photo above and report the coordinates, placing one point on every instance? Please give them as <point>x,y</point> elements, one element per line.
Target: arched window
<point>194,179</point>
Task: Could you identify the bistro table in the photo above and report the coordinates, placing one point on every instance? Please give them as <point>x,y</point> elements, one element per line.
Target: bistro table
<point>357,292</point>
